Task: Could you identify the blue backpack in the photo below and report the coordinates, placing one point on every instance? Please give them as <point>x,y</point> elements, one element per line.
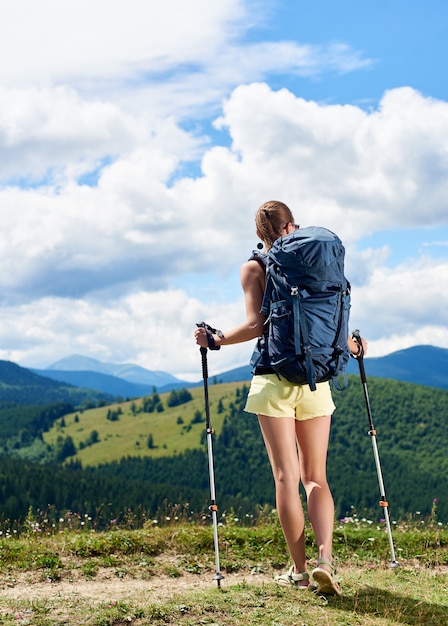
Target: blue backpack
<point>307,305</point>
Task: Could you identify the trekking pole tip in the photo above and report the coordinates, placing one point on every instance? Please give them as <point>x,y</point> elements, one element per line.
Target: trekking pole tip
<point>394,565</point>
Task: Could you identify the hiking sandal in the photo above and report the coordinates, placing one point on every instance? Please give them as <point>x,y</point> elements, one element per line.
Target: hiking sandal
<point>326,583</point>
<point>290,578</point>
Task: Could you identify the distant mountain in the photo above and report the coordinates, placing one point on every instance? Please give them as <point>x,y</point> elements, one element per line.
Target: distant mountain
<point>103,382</point>
<point>20,386</point>
<point>126,371</point>
<point>422,365</point>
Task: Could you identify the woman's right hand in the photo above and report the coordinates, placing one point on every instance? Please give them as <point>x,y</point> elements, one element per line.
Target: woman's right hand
<point>201,337</point>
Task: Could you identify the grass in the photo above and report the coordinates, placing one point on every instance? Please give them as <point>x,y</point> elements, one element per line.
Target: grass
<point>128,435</point>
<point>68,573</point>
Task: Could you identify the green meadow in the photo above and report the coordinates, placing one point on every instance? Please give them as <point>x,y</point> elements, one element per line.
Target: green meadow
<point>67,573</point>
<point>173,430</point>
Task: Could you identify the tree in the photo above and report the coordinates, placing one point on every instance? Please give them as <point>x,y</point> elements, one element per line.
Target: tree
<point>180,396</point>
<point>152,403</point>
<point>67,448</point>
<point>197,418</point>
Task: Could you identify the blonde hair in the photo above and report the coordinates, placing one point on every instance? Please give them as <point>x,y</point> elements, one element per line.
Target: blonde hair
<point>271,218</point>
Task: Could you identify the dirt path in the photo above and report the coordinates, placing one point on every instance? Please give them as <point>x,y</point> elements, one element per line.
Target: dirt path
<point>108,587</point>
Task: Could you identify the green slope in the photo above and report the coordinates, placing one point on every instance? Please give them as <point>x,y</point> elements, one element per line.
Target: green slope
<point>19,387</point>
<point>173,430</point>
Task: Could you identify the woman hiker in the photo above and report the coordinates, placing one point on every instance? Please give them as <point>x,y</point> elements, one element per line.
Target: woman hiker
<point>289,413</point>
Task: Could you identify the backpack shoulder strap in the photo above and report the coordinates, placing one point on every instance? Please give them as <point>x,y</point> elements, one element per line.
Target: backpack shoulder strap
<point>260,257</point>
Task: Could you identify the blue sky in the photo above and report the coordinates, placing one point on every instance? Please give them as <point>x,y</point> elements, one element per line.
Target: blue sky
<point>137,144</point>
<point>405,41</point>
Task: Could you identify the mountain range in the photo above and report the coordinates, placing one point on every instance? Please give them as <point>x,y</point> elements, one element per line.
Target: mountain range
<point>124,380</point>
<point>424,365</point>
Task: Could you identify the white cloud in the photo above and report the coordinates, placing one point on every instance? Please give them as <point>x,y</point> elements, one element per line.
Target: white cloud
<point>54,133</point>
<point>356,171</point>
<point>403,306</point>
<point>152,329</point>
<point>82,40</point>
<point>54,129</point>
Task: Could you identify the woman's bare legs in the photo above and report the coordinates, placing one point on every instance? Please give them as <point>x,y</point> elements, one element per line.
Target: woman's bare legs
<point>309,465</point>
<point>280,439</point>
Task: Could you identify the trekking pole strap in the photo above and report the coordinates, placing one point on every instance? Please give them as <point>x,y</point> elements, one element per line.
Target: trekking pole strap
<point>360,356</point>
<point>210,332</point>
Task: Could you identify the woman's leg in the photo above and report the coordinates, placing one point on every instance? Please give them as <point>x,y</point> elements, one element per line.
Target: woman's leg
<point>312,439</point>
<point>280,440</point>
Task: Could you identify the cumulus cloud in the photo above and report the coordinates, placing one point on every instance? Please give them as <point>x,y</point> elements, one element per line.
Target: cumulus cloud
<point>400,307</point>
<point>358,171</point>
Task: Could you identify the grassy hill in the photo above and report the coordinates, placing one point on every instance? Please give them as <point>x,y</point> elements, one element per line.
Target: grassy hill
<point>173,430</point>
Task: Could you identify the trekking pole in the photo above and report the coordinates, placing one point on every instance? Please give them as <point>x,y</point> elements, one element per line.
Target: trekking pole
<point>372,432</point>
<point>209,430</point>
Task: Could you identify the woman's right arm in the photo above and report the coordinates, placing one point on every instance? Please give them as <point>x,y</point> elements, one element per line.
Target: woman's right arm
<point>252,281</point>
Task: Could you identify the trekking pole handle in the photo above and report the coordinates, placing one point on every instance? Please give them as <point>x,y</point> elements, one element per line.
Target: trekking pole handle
<point>360,356</point>
<point>210,332</point>
<point>356,335</point>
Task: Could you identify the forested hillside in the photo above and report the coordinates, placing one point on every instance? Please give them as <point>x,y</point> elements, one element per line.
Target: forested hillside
<point>411,435</point>
<point>19,387</point>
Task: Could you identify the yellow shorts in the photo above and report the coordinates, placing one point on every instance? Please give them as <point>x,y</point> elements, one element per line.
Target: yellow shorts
<point>269,395</point>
